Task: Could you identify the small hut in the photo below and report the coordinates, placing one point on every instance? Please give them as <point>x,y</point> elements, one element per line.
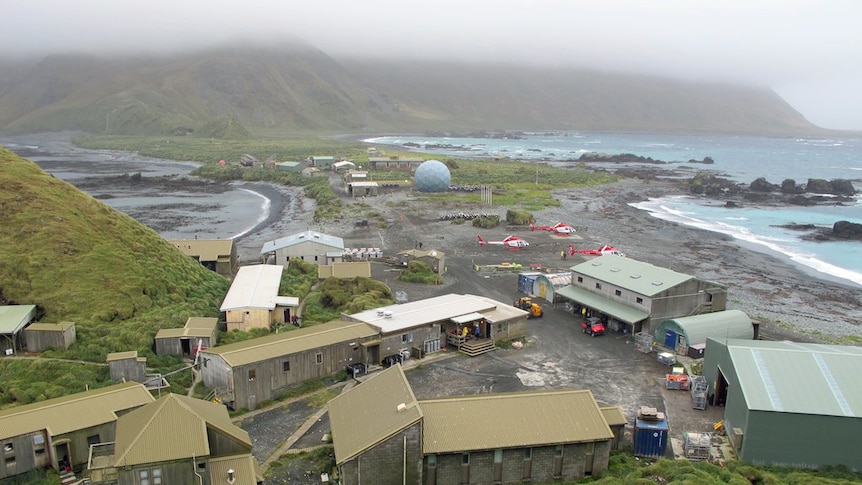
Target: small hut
<point>41,336</point>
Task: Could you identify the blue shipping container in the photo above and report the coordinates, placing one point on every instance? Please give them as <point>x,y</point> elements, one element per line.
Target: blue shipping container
<point>525,282</point>
<point>650,438</point>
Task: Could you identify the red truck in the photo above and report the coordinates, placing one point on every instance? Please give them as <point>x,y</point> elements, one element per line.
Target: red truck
<point>593,326</point>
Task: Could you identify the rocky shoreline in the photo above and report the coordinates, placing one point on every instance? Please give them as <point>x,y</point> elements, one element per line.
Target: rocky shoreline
<point>791,302</point>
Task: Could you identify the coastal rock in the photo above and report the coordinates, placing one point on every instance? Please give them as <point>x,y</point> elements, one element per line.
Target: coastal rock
<point>788,186</point>
<point>833,187</point>
<point>761,185</point>
<point>847,230</point>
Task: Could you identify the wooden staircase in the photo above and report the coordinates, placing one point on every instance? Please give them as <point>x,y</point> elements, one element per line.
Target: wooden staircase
<point>477,347</point>
<point>68,478</point>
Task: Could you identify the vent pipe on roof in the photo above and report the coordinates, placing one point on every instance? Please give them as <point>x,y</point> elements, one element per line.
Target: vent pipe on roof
<point>401,407</point>
<point>387,314</point>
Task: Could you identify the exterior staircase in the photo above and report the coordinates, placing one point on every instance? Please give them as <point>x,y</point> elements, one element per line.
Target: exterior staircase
<point>68,478</point>
<point>477,347</point>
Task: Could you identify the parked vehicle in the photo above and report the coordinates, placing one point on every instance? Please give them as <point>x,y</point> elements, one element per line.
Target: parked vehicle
<point>593,326</point>
<point>526,303</point>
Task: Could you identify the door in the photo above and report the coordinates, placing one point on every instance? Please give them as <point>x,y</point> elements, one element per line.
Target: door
<point>670,339</point>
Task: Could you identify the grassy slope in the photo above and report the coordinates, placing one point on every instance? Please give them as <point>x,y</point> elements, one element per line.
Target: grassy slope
<point>79,260</point>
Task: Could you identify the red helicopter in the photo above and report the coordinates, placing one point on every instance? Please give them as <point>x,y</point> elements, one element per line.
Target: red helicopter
<point>558,228</point>
<point>605,249</point>
<point>511,242</point>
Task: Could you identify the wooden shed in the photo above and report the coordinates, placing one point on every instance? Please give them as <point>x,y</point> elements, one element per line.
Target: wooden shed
<point>184,341</point>
<point>127,366</point>
<point>41,336</point>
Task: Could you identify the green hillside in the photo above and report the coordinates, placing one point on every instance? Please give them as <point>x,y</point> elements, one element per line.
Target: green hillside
<point>298,88</point>
<point>79,260</point>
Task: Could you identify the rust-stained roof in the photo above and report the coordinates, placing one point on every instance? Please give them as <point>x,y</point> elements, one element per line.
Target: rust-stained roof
<point>141,433</point>
<point>371,412</point>
<point>291,341</point>
<point>523,419</point>
<point>205,249</point>
<point>91,408</point>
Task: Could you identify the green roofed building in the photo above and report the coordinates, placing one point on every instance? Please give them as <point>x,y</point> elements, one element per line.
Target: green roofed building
<point>634,296</point>
<point>13,319</point>
<point>679,333</point>
<point>786,403</point>
<point>382,434</point>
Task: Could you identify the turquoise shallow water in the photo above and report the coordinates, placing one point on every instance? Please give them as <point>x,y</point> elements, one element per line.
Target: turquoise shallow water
<point>737,157</point>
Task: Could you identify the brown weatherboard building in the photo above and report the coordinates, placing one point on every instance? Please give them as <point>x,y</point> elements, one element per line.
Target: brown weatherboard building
<point>184,341</point>
<point>245,373</point>
<point>383,435</point>
<point>47,433</point>
<point>217,255</point>
<point>175,440</point>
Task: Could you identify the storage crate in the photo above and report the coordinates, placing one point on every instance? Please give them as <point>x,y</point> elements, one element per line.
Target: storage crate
<point>699,391</point>
<point>644,342</point>
<point>666,358</point>
<point>678,382</point>
<point>696,446</point>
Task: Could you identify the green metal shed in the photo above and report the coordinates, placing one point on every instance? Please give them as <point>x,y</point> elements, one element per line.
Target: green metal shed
<point>694,330</point>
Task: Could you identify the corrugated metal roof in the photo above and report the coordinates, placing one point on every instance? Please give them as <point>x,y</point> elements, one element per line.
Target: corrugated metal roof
<point>614,416</point>
<point>371,412</point>
<point>194,327</point>
<point>141,433</point>
<point>798,378</point>
<point>51,327</point>
<point>254,286</point>
<point>557,280</point>
<point>615,309</point>
<point>91,408</point>
<point>524,419</point>
<point>14,317</point>
<point>301,237</point>
<point>245,469</point>
<point>423,312</point>
<point>696,328</point>
<point>129,354</point>
<point>206,249</point>
<point>290,342</point>
<point>637,276</point>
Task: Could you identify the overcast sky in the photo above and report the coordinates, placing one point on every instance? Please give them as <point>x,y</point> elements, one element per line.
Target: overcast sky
<point>810,52</point>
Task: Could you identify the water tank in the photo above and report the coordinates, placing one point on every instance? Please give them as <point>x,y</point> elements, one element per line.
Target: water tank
<point>432,176</point>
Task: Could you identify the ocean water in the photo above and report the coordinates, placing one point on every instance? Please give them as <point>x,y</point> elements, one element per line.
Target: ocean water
<point>174,212</point>
<point>739,158</point>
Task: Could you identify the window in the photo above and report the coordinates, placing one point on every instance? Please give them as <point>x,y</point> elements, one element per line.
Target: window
<point>598,286</point>
<point>580,279</point>
<point>144,476</point>
<point>406,338</point>
<point>618,293</point>
<point>93,439</point>
<point>39,444</point>
<point>498,455</point>
<point>432,461</point>
<point>590,447</point>
<point>285,366</point>
<point>157,476</point>
<point>318,358</point>
<point>252,374</point>
<point>465,458</point>
<point>558,451</point>
<point>639,300</point>
<point>528,453</point>
<point>8,448</point>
